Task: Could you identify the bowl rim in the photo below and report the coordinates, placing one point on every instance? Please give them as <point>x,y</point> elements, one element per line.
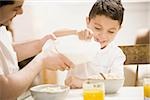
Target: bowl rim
<point>105,79</point>
<point>33,89</point>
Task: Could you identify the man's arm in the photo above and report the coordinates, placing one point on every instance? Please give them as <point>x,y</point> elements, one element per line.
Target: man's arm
<point>31,48</point>
<point>13,85</point>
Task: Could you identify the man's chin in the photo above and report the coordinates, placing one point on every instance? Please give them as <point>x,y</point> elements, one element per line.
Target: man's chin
<point>7,23</point>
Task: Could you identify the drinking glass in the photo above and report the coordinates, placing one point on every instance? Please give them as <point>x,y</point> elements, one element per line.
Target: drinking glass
<point>146,86</point>
<point>93,90</point>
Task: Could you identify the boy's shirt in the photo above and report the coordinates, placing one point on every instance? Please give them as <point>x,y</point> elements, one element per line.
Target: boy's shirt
<point>109,60</point>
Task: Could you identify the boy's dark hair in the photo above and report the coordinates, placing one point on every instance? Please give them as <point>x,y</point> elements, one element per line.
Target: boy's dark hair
<point>6,2</point>
<point>110,8</point>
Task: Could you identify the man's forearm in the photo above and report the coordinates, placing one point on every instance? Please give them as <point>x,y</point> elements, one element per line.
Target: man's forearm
<point>27,49</point>
<point>14,85</point>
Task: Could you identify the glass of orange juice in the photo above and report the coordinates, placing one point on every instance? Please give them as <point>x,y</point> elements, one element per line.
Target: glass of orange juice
<point>93,90</point>
<point>146,87</point>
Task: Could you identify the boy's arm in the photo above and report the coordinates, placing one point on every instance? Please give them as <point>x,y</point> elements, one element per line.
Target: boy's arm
<point>74,82</point>
<point>85,34</point>
<point>64,32</point>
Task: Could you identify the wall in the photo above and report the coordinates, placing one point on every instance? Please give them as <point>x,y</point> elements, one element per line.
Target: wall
<point>23,25</point>
<point>149,15</point>
<point>136,17</point>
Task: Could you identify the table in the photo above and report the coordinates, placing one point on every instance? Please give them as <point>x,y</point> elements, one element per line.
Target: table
<point>125,93</point>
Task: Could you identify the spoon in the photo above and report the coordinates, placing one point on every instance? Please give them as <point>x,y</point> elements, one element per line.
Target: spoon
<point>103,76</point>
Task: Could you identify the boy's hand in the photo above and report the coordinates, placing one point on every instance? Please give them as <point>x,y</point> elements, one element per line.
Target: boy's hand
<point>74,82</point>
<point>85,34</point>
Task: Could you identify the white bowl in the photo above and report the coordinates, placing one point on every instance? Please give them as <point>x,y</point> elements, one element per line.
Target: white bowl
<point>49,92</point>
<point>78,51</point>
<point>111,85</point>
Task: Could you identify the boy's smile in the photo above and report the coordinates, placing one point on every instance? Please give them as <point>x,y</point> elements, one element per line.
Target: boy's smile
<point>104,29</point>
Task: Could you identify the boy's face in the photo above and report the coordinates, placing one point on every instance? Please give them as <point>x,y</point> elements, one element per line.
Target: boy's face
<point>8,12</point>
<point>104,29</point>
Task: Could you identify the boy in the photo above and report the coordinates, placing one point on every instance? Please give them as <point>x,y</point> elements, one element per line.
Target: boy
<point>105,20</point>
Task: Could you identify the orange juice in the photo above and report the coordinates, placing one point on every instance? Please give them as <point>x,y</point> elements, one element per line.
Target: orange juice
<point>93,94</point>
<point>146,86</point>
<point>147,90</point>
<point>93,90</point>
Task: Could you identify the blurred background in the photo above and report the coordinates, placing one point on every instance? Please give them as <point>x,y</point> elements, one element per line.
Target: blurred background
<point>42,17</point>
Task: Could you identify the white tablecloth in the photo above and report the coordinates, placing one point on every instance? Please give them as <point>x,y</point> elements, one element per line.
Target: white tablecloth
<point>125,93</point>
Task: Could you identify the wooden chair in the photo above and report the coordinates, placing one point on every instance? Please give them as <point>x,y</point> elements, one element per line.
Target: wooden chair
<point>136,54</point>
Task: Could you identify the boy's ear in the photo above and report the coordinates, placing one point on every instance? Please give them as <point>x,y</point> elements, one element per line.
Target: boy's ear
<point>87,20</point>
